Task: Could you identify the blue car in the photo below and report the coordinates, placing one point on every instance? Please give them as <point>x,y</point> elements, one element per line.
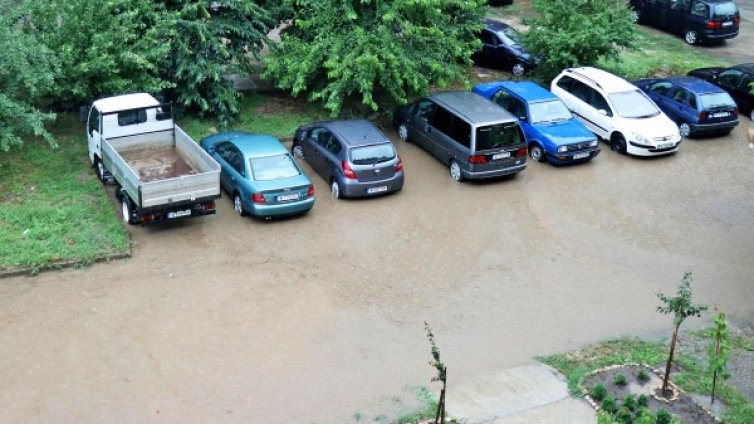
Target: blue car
<point>552,133</point>
<point>697,106</point>
<point>260,175</point>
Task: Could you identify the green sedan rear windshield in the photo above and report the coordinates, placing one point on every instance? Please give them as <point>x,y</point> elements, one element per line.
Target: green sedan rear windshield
<point>273,168</point>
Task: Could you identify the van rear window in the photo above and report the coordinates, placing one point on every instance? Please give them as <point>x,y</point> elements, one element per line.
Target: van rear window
<point>725,11</point>
<point>497,136</point>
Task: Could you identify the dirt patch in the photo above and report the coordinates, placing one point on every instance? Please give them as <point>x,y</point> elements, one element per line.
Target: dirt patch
<point>282,105</point>
<point>684,407</point>
<point>154,164</point>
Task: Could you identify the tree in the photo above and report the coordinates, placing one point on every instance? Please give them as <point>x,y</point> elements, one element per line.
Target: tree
<point>681,307</point>
<point>578,32</point>
<point>376,51</point>
<point>442,373</point>
<point>209,40</point>
<point>718,352</point>
<point>27,73</point>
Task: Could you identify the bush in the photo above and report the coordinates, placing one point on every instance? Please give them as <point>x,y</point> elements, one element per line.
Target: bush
<point>598,392</point>
<point>663,417</point>
<point>624,416</point>
<point>630,403</point>
<point>609,405</point>
<point>643,376</point>
<point>642,401</point>
<point>620,380</point>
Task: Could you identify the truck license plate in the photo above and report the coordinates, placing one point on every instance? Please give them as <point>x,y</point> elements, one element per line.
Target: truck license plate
<point>178,214</point>
<point>501,155</point>
<point>287,197</point>
<point>379,189</point>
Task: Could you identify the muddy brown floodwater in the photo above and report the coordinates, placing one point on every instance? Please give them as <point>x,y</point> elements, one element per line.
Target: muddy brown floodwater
<point>229,319</point>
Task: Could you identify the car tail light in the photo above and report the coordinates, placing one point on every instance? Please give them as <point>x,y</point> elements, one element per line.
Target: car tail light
<point>478,159</point>
<point>399,165</point>
<point>737,21</point>
<point>702,115</point>
<point>310,192</point>
<point>714,25</point>
<point>521,152</point>
<point>258,198</point>
<point>347,171</point>
<point>735,112</point>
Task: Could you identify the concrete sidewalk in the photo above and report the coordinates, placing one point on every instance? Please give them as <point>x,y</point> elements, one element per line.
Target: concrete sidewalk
<point>529,394</point>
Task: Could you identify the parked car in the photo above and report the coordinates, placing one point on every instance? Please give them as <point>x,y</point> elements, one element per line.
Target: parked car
<point>260,175</point>
<point>552,133</point>
<point>501,48</point>
<point>696,106</point>
<point>697,20</point>
<point>472,136</point>
<point>500,2</point>
<point>617,111</point>
<point>735,80</point>
<point>353,156</point>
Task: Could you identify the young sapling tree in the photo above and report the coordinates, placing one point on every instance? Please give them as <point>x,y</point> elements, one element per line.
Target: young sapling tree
<point>718,352</point>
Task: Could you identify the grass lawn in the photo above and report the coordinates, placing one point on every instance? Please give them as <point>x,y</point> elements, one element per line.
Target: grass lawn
<point>52,207</point>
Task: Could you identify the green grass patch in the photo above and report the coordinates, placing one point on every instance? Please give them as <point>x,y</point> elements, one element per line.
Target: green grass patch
<point>692,377</point>
<point>52,207</point>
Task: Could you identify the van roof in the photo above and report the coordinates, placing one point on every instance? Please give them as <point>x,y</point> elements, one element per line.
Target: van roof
<point>472,107</point>
<point>607,82</point>
<point>125,102</point>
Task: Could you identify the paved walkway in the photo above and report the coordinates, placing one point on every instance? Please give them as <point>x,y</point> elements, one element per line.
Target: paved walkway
<point>529,394</point>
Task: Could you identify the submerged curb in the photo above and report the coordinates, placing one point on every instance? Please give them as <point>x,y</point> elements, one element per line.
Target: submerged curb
<point>31,271</point>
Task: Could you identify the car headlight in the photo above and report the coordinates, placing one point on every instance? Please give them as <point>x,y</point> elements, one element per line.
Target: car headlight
<point>593,143</point>
<point>562,149</point>
<point>640,138</point>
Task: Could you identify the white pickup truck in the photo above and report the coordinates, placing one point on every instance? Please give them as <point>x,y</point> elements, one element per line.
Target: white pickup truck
<point>161,173</point>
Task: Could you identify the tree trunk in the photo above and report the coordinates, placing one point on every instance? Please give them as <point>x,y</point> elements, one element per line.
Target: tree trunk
<point>670,360</point>
<point>714,373</point>
<point>714,380</point>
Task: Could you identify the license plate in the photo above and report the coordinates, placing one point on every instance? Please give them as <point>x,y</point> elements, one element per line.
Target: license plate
<point>379,189</point>
<point>287,197</point>
<point>729,23</point>
<point>720,115</point>
<point>501,155</point>
<point>665,145</point>
<point>581,155</point>
<point>178,214</point>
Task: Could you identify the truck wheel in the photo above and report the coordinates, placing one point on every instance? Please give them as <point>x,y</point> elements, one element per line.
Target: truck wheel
<point>100,170</point>
<point>126,210</point>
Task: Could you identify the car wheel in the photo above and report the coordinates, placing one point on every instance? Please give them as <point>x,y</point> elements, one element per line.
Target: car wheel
<point>518,69</point>
<point>618,143</point>
<point>298,151</point>
<point>335,189</point>
<point>536,152</point>
<point>125,207</point>
<point>691,37</point>
<point>751,115</point>
<point>455,171</point>
<point>403,132</point>
<point>684,129</point>
<point>100,170</point>
<point>238,205</point>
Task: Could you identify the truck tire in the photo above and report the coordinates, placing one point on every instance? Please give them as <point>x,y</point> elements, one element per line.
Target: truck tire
<point>126,210</point>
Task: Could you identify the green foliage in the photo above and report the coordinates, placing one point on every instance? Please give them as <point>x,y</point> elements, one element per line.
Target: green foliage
<point>620,380</point>
<point>624,416</point>
<point>718,352</point>
<point>206,43</point>
<point>376,51</point>
<point>27,73</point>
<point>580,32</point>
<point>436,362</point>
<point>663,417</point>
<point>608,404</point>
<point>630,403</point>
<point>605,418</point>
<point>680,305</point>
<point>642,401</point>
<point>104,47</point>
<point>642,376</point>
<point>598,392</point>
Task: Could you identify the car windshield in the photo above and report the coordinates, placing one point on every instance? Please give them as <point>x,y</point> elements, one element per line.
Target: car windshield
<point>270,168</point>
<point>510,36</point>
<point>496,136</point>
<point>372,154</point>
<point>634,104</point>
<point>716,100</point>
<point>725,10</point>
<point>549,111</point>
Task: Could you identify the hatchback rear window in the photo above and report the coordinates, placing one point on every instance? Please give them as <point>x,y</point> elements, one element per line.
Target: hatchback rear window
<point>716,100</point>
<point>497,136</point>
<point>725,11</point>
<point>272,168</point>
<point>375,153</point>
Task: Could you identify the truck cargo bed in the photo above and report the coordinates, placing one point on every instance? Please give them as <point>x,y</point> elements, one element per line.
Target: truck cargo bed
<point>157,164</point>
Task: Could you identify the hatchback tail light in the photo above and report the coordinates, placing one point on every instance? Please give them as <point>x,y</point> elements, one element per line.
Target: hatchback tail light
<point>310,192</point>
<point>521,152</point>
<point>347,171</point>
<point>702,115</point>
<point>399,165</point>
<point>737,21</point>
<point>478,159</point>
<point>258,198</point>
<point>714,25</point>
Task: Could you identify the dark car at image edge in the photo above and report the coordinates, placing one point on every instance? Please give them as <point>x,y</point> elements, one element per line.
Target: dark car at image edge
<point>736,80</point>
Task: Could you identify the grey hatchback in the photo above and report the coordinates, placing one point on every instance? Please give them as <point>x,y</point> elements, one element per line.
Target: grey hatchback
<point>353,156</point>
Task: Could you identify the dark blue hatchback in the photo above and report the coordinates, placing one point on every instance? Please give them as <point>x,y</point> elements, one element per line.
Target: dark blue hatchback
<point>698,107</point>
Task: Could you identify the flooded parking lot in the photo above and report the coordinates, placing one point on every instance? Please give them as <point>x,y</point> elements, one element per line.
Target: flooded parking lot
<point>229,319</point>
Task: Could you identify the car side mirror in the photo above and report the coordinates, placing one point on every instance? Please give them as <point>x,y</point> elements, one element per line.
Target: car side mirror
<point>602,112</point>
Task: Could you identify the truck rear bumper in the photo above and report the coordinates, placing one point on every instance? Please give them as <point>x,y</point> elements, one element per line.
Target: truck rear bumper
<point>175,212</point>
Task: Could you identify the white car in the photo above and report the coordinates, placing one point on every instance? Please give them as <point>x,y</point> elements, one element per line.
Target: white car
<point>617,111</point>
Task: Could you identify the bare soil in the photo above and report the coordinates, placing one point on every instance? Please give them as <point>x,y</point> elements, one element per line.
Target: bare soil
<point>157,164</point>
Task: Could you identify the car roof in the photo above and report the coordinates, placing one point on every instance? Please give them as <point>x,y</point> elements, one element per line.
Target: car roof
<point>695,85</point>
<point>495,25</point>
<point>473,107</point>
<point>125,102</point>
<point>253,144</point>
<point>529,91</point>
<point>717,1</point>
<point>604,80</point>
<point>746,67</point>
<point>355,132</point>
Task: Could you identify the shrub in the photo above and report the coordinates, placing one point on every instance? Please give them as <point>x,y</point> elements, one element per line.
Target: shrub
<point>620,380</point>
<point>598,392</point>
<point>643,376</point>
<point>608,405</point>
<point>624,416</point>
<point>642,401</point>
<point>663,417</point>
<point>630,403</point>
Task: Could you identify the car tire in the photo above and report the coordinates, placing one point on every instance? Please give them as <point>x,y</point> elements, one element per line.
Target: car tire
<point>518,69</point>
<point>125,208</point>
<point>238,205</point>
<point>618,143</point>
<point>684,129</point>
<point>751,115</point>
<point>297,151</point>
<point>691,37</point>
<point>403,132</point>
<point>455,171</point>
<point>335,189</point>
<point>536,152</point>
